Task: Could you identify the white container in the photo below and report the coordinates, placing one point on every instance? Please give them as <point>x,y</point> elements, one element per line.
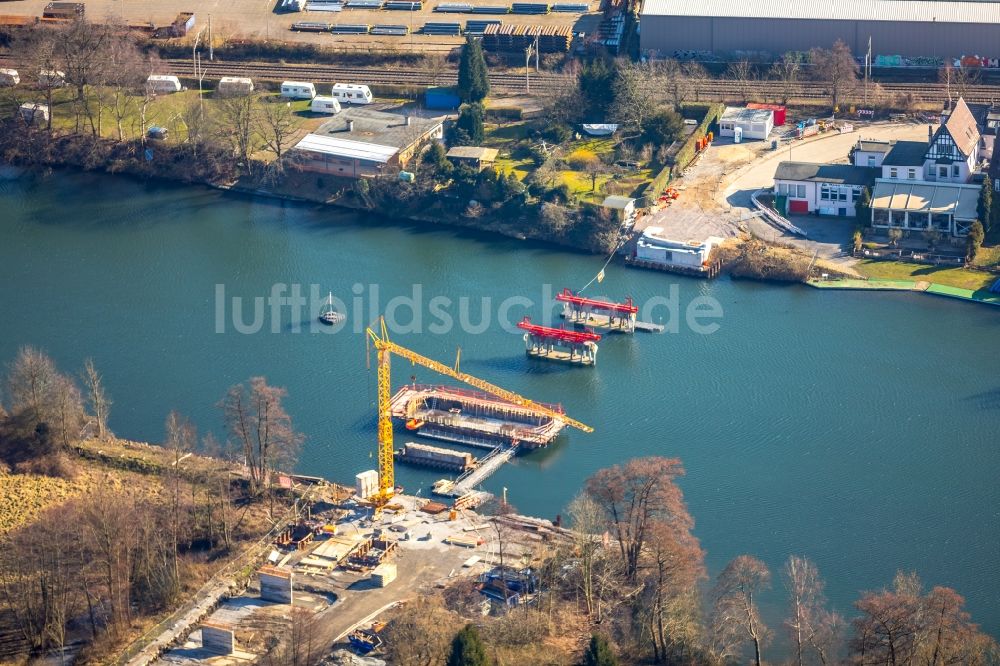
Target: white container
<point>366,484</point>
<point>325,104</point>
<point>33,113</point>
<point>163,84</point>
<point>298,90</point>
<point>9,77</point>
<point>51,78</point>
<point>234,86</point>
<point>351,93</point>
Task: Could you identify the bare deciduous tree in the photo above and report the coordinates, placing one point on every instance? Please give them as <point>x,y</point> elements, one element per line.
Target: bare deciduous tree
<point>260,426</point>
<point>787,71</point>
<point>813,629</point>
<point>735,616</point>
<point>635,494</point>
<point>418,633</point>
<point>277,124</point>
<point>238,128</point>
<point>676,564</point>
<point>100,403</point>
<point>742,73</point>
<point>636,91</point>
<point>838,69</point>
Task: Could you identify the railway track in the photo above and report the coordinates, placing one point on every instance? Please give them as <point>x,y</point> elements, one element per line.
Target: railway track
<point>513,82</point>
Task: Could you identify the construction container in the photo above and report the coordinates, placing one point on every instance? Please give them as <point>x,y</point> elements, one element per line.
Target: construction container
<point>366,484</point>
<point>441,98</point>
<point>298,90</point>
<point>9,77</point>
<point>163,84</point>
<point>234,86</point>
<point>33,113</point>
<point>384,574</point>
<point>63,10</point>
<point>779,111</point>
<point>324,104</point>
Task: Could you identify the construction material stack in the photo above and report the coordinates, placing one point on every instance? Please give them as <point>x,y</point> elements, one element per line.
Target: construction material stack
<point>366,484</point>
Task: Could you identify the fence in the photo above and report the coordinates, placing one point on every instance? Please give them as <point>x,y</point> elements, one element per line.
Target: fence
<point>913,256</point>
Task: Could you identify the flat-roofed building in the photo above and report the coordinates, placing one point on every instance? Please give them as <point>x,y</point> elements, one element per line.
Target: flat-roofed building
<point>474,156</point>
<point>358,143</point>
<point>937,28</point>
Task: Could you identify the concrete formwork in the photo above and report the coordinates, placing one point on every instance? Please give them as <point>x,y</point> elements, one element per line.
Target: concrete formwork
<point>275,585</point>
<point>217,638</point>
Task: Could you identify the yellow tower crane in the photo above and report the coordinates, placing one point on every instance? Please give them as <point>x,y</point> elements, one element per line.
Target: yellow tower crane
<point>385,348</point>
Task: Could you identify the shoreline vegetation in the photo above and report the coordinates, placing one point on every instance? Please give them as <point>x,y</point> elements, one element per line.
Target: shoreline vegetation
<point>154,527</point>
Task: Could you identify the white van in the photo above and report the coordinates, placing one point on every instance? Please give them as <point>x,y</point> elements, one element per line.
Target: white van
<point>298,90</point>
<point>324,104</point>
<point>234,86</point>
<point>51,78</point>
<point>9,77</point>
<point>163,84</point>
<point>351,93</point>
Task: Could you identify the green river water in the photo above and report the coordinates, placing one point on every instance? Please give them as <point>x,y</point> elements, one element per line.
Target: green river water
<point>859,429</point>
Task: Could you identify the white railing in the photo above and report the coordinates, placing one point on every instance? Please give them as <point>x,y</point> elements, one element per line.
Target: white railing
<point>774,218</point>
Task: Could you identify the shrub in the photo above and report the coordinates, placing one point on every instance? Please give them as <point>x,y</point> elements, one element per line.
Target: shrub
<point>582,159</point>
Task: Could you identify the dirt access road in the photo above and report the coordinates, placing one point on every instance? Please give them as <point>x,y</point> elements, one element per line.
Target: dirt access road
<point>715,192</point>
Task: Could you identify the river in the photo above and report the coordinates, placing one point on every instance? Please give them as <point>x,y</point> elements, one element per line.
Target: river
<point>859,429</point>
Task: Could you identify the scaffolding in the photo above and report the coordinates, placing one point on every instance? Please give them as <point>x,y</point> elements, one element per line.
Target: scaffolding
<point>559,344</point>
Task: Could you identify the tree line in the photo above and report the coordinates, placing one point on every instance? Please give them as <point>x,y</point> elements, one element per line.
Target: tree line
<point>636,574</point>
<point>89,569</point>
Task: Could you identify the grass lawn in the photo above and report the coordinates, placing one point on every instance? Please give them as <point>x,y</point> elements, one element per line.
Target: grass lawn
<point>165,111</point>
<point>952,277</point>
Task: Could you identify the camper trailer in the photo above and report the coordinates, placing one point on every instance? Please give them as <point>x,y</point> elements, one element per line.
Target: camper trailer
<point>298,90</point>
<point>9,77</point>
<point>162,84</point>
<point>351,93</point>
<point>34,113</point>
<point>324,104</point>
<point>51,78</point>
<point>234,86</point>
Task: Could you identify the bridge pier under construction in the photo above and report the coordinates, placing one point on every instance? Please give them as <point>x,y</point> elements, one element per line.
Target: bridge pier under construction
<point>559,344</point>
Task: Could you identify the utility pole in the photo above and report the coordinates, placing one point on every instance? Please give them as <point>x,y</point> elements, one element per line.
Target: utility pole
<point>211,44</point>
<point>868,68</point>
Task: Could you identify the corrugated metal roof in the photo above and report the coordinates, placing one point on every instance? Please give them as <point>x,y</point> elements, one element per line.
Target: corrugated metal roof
<point>360,150</point>
<point>849,10</point>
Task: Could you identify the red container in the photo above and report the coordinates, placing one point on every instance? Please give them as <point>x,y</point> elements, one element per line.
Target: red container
<point>779,111</point>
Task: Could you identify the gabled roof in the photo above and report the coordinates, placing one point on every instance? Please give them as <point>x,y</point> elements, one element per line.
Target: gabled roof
<point>906,153</point>
<point>359,150</point>
<point>473,153</point>
<point>962,127</point>
<point>840,174</point>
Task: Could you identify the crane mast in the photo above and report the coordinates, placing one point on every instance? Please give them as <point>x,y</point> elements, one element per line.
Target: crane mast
<point>385,349</point>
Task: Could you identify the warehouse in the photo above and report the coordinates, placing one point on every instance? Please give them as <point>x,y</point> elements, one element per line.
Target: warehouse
<point>672,28</point>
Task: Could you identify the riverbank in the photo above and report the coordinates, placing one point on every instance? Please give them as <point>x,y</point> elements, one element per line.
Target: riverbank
<point>977,296</point>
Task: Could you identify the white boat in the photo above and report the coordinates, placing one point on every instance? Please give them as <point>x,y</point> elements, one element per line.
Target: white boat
<point>329,314</point>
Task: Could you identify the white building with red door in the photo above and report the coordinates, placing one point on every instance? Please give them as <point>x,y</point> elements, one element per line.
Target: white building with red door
<point>824,189</point>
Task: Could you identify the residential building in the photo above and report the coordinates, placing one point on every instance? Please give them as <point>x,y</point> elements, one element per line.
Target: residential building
<point>826,189</point>
<point>476,157</point>
<point>360,142</point>
<point>932,184</point>
<point>870,152</point>
<point>749,123</point>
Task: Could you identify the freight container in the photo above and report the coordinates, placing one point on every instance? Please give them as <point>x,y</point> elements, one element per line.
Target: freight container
<point>779,111</point>
<point>9,77</point>
<point>234,86</point>
<point>325,104</point>
<point>441,98</point>
<point>298,90</point>
<point>162,84</point>
<point>33,113</point>
<point>351,93</point>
